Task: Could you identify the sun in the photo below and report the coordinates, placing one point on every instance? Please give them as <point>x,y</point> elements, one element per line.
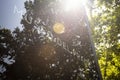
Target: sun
<point>58,28</point>
<point>76,5</point>
<point>73,4</point>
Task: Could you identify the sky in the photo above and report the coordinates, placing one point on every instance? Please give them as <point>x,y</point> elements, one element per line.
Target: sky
<point>11,12</point>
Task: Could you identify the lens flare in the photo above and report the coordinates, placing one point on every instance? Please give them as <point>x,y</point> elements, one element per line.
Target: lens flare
<point>59,28</point>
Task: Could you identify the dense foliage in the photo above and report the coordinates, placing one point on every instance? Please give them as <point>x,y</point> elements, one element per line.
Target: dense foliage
<point>106,30</point>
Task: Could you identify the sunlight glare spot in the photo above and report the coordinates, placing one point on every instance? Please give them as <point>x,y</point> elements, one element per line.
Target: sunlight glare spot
<point>73,4</point>
<point>59,28</point>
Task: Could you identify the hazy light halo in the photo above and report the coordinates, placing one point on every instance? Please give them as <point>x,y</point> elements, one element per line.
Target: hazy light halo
<point>72,5</point>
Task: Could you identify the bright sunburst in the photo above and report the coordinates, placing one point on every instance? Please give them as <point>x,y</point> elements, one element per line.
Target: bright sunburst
<point>73,4</point>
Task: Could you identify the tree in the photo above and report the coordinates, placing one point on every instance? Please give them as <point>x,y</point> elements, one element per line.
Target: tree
<point>42,54</point>
<point>7,51</point>
<point>106,32</point>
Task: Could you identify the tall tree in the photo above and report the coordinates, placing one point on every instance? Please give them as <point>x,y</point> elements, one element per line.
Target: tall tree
<point>45,52</point>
